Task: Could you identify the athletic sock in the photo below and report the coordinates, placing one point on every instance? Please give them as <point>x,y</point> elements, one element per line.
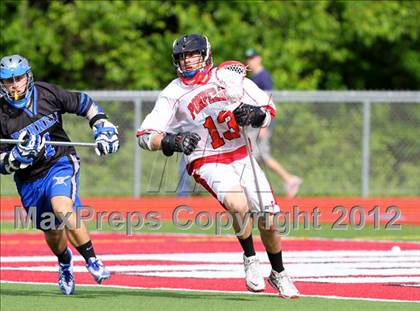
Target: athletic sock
<point>64,257</point>
<point>86,250</point>
<point>248,246</point>
<point>276,261</point>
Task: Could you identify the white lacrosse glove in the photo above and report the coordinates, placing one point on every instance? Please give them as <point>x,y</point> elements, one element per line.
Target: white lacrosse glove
<point>106,137</point>
<point>23,154</point>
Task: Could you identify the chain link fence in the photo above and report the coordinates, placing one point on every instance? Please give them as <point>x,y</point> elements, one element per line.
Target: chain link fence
<point>340,144</point>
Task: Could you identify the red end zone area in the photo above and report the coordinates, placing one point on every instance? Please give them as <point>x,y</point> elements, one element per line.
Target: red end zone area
<point>409,207</point>
<point>348,269</point>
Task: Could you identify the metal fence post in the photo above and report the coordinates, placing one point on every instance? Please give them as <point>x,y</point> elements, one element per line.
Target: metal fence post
<point>137,156</point>
<point>365,149</point>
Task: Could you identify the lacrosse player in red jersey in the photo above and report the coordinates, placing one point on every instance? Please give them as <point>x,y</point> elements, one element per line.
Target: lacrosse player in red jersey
<point>202,114</point>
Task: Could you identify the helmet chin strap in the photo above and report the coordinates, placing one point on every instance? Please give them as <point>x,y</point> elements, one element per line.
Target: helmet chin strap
<point>22,101</point>
<point>202,76</point>
<point>190,74</point>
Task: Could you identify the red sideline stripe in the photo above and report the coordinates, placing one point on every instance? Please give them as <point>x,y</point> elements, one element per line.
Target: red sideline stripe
<point>410,211</point>
<point>34,244</point>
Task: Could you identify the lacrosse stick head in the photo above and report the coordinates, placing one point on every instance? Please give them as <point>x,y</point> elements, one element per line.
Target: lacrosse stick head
<point>230,76</point>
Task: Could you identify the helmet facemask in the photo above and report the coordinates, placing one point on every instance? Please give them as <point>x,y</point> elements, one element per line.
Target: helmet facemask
<point>190,46</point>
<point>189,68</point>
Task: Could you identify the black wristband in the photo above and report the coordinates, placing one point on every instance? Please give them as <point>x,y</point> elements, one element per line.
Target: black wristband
<point>99,116</point>
<point>168,144</point>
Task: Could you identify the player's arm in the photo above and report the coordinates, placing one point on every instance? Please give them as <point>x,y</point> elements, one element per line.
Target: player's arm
<point>105,133</point>
<point>22,155</point>
<point>259,114</point>
<point>169,143</point>
<point>154,133</point>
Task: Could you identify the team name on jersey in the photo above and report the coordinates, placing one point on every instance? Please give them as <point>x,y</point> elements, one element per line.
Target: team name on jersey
<point>205,98</point>
<point>39,126</point>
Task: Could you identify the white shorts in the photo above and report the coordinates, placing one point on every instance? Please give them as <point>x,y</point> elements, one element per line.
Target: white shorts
<point>219,179</point>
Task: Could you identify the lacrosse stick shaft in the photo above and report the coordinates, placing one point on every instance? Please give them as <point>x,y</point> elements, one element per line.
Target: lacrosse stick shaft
<point>53,143</point>
<point>254,171</point>
<point>233,84</point>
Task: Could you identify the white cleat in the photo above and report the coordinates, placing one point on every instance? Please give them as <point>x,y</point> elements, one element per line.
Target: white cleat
<point>282,282</point>
<point>98,270</point>
<point>254,280</point>
<point>66,277</point>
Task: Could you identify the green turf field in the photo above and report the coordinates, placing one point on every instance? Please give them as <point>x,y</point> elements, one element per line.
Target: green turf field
<point>406,233</point>
<point>47,297</point>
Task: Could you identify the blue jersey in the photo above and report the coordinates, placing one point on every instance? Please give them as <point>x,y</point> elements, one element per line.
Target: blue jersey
<point>43,117</point>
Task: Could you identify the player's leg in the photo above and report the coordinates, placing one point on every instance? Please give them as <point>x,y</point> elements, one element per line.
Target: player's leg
<point>79,236</point>
<point>278,277</point>
<point>269,235</point>
<point>223,182</point>
<point>62,189</point>
<point>184,187</point>
<point>57,242</point>
<point>76,233</point>
<point>35,203</point>
<point>291,182</point>
<point>236,203</point>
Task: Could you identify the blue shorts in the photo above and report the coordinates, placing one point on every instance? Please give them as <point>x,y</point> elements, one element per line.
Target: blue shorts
<point>62,179</point>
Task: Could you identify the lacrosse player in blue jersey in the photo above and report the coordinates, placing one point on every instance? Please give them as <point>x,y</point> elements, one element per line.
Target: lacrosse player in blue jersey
<point>46,176</point>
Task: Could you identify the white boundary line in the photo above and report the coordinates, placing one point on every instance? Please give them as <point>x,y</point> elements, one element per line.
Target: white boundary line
<point>214,291</point>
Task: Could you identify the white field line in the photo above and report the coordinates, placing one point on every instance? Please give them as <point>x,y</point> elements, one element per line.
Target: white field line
<point>236,257</point>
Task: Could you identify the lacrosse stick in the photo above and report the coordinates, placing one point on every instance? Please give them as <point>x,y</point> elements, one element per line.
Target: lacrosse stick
<point>53,143</point>
<point>231,75</point>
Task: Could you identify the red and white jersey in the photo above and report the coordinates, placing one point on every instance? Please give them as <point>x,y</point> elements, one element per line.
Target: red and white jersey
<point>205,110</point>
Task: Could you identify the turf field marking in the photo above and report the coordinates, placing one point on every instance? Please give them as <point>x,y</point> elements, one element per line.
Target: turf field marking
<point>208,263</point>
<point>317,266</point>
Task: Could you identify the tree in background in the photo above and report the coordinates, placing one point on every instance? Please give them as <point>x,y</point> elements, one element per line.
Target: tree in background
<point>307,45</point>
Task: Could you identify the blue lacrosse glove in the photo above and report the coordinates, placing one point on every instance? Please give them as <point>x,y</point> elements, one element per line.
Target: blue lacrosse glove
<point>106,137</point>
<point>23,154</point>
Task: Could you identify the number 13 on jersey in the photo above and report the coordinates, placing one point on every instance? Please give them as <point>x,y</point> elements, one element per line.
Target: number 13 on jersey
<point>227,117</point>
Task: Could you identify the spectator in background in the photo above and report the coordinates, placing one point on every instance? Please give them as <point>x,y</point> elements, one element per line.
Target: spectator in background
<point>260,137</point>
<point>184,187</point>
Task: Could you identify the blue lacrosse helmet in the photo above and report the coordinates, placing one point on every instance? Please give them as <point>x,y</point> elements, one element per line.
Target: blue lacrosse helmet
<point>11,67</point>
